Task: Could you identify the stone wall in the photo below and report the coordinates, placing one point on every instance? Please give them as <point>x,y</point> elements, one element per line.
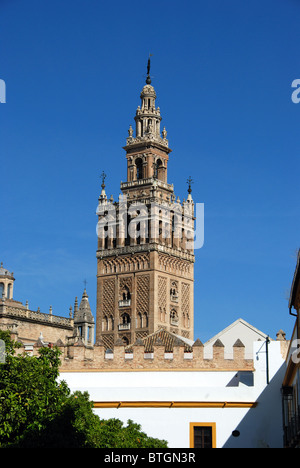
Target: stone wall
<point>81,358</point>
<point>28,325</point>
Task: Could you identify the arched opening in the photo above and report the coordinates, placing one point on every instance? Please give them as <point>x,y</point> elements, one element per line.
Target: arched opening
<point>160,169</point>
<point>124,322</point>
<point>112,323</point>
<point>1,289</point>
<point>126,294</point>
<point>145,320</point>
<point>105,323</point>
<point>125,341</point>
<point>139,320</point>
<point>139,169</point>
<point>174,317</point>
<point>125,318</point>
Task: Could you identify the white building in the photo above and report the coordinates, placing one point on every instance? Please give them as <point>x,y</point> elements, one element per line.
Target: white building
<point>220,408</point>
<point>241,329</point>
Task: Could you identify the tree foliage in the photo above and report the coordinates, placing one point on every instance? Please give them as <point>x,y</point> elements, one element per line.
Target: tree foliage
<point>38,410</point>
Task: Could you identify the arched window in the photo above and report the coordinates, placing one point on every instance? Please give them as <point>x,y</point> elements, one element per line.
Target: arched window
<point>125,319</point>
<point>174,317</point>
<point>105,324</point>
<point>139,320</point>
<point>139,168</point>
<point>126,294</point>
<point>160,169</point>
<point>112,323</point>
<point>145,320</point>
<point>1,289</point>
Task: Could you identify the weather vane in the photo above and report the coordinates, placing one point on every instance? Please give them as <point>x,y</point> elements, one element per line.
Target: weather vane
<point>148,80</point>
<point>85,283</point>
<point>190,182</point>
<point>103,177</point>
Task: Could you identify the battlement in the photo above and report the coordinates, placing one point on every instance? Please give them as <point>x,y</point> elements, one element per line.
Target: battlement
<point>78,357</point>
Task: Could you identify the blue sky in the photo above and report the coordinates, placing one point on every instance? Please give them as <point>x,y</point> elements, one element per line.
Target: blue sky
<point>222,71</point>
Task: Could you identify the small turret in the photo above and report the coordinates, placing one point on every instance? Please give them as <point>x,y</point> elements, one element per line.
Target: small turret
<point>84,323</point>
<point>6,283</point>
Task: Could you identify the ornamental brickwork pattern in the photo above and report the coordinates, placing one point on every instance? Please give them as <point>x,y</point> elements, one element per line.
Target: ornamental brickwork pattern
<point>143,291</point>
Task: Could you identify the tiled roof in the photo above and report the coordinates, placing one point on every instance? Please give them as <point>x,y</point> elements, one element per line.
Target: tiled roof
<point>162,338</point>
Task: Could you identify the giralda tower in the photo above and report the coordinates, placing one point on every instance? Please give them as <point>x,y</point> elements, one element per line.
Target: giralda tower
<point>145,255</point>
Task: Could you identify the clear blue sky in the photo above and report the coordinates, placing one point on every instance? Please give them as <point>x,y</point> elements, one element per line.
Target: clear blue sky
<point>222,71</point>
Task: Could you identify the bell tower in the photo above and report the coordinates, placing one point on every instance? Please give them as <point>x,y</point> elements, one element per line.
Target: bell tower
<point>145,255</point>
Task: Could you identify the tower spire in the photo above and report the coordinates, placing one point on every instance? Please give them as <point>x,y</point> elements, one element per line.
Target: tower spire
<point>103,197</point>
<point>190,182</point>
<point>148,79</point>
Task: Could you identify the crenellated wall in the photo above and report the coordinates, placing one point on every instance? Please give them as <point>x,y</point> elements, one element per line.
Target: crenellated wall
<point>81,358</point>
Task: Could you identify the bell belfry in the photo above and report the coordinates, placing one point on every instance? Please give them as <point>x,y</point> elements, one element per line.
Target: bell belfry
<point>145,255</point>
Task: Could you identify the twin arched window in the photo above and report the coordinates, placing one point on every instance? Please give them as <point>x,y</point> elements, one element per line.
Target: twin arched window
<point>9,290</point>
<point>142,320</point>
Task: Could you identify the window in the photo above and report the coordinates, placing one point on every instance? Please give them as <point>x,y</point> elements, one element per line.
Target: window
<point>160,170</point>
<point>202,435</point>
<point>125,319</point>
<point>139,168</point>
<point>125,341</point>
<point>126,294</point>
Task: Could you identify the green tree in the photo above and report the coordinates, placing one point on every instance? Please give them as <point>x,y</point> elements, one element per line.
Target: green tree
<point>38,410</point>
<point>30,395</point>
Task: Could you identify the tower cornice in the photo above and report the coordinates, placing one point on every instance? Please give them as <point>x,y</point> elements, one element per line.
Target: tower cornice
<point>139,144</point>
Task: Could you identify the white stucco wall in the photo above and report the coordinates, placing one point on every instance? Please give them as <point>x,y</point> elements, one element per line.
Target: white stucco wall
<point>258,427</point>
<point>237,330</point>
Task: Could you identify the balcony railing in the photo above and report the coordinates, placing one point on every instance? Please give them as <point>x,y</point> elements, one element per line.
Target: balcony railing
<point>125,303</point>
<point>174,322</point>
<point>124,326</point>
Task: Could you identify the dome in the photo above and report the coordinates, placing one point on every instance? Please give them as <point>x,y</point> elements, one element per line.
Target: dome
<point>4,272</point>
<point>148,90</point>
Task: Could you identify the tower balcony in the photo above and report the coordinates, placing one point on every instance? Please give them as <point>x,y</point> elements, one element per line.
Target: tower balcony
<point>124,326</point>
<point>125,303</point>
<point>174,321</point>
